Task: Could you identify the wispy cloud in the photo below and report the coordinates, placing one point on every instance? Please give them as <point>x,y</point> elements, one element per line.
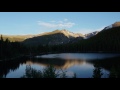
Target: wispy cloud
<point>65,19</point>
<point>57,24</point>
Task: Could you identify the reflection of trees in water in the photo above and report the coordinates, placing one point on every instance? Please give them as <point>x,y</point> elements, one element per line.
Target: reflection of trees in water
<point>7,66</point>
<point>110,64</point>
<point>97,72</point>
<point>58,63</point>
<point>107,63</point>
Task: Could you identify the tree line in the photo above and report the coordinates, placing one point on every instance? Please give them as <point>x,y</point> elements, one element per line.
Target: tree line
<point>11,49</point>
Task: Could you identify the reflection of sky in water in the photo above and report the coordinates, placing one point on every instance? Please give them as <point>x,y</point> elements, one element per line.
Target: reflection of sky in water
<point>17,73</point>
<point>83,56</point>
<point>78,64</point>
<point>21,70</point>
<point>85,71</point>
<point>82,71</point>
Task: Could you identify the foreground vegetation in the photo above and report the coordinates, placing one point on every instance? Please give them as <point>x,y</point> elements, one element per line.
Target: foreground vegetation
<point>48,72</point>
<point>51,72</point>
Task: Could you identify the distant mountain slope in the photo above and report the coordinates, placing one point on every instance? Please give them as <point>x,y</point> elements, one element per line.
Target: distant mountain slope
<point>52,38</point>
<point>106,40</point>
<point>65,32</point>
<point>116,24</point>
<point>91,34</point>
<point>18,38</point>
<point>21,38</point>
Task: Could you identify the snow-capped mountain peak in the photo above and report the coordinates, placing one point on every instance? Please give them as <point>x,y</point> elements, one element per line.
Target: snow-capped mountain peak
<point>91,34</point>
<point>108,27</point>
<point>116,24</point>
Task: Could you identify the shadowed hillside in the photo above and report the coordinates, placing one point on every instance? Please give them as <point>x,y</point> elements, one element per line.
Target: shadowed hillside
<point>18,38</point>
<point>106,40</point>
<point>52,38</point>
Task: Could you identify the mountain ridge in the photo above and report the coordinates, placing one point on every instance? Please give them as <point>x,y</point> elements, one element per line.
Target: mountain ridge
<point>116,24</point>
<point>55,37</point>
<point>67,33</point>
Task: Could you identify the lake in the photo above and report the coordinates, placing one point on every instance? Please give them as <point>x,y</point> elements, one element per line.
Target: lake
<point>82,64</point>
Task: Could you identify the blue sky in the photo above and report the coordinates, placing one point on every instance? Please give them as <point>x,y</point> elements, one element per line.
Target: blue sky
<point>20,23</point>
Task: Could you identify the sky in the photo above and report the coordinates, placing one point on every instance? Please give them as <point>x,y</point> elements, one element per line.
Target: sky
<point>21,23</point>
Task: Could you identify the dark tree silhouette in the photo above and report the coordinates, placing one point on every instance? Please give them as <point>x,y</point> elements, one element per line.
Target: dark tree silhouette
<point>97,72</point>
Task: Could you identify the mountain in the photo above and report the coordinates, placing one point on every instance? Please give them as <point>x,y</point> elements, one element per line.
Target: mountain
<point>91,34</point>
<point>106,40</point>
<point>18,38</point>
<point>53,38</point>
<point>116,24</point>
<point>65,32</point>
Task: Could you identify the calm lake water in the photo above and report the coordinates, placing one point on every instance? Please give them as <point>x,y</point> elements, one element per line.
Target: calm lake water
<point>80,63</point>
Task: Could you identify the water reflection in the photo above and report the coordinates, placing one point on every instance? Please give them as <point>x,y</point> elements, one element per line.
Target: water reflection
<point>8,66</point>
<point>107,63</point>
<point>83,56</point>
<point>83,68</point>
<point>58,63</point>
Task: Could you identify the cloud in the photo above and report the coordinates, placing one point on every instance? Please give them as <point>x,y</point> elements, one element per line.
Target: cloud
<point>60,22</point>
<point>45,24</point>
<point>65,19</point>
<point>57,24</point>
